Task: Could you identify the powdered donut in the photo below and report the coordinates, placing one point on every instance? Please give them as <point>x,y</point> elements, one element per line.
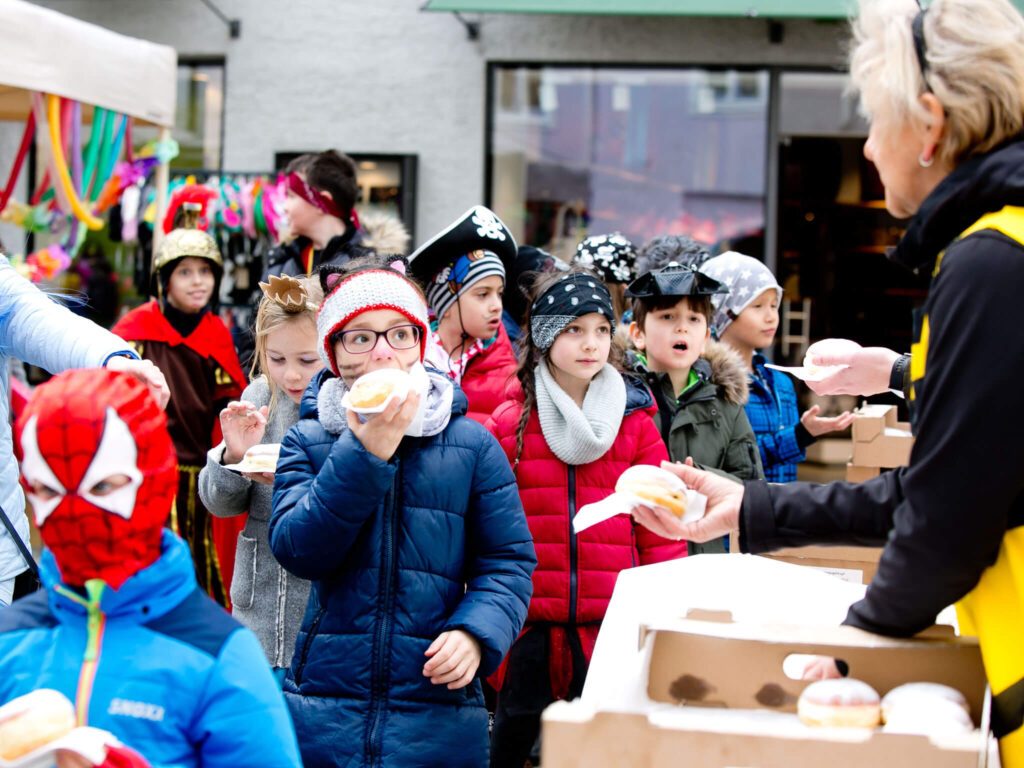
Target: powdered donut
<point>844,703</point>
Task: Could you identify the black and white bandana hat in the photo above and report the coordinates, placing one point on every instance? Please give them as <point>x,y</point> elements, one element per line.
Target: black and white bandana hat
<point>612,256</point>
<point>573,296</point>
<point>474,246</point>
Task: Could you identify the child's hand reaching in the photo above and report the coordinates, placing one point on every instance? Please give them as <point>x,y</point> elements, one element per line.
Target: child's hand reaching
<point>381,434</point>
<point>455,657</point>
<point>820,425</point>
<point>243,425</point>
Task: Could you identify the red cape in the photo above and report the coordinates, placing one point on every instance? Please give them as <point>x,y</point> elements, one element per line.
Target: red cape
<point>210,338</point>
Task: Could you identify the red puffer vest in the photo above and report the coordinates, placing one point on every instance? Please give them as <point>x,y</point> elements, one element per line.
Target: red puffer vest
<point>576,574</point>
<point>488,376</point>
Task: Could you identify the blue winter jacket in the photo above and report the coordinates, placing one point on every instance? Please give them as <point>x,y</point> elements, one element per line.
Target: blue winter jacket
<point>774,412</point>
<point>398,551</point>
<point>176,678</point>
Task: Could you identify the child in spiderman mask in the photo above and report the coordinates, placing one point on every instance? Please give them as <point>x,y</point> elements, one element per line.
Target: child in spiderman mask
<point>122,627</point>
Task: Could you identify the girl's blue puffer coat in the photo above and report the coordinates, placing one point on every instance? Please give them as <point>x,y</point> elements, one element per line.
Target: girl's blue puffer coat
<point>399,551</point>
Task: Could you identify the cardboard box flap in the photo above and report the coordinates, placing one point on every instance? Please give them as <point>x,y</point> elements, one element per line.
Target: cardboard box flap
<point>870,420</point>
<point>740,666</point>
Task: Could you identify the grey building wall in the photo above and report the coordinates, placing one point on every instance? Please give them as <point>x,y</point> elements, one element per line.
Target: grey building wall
<point>382,76</point>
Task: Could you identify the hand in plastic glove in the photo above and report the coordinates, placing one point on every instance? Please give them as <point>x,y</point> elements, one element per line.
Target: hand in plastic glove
<point>821,668</point>
<point>821,425</point>
<point>454,659</point>
<point>722,515</point>
<point>867,373</point>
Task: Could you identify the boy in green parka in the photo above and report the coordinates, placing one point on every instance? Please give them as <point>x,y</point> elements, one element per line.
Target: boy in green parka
<point>700,386</point>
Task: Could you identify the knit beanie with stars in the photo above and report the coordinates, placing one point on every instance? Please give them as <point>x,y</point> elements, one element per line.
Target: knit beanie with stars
<point>746,278</point>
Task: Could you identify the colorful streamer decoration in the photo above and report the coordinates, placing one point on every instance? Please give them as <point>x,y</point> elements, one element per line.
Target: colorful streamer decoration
<point>60,163</point>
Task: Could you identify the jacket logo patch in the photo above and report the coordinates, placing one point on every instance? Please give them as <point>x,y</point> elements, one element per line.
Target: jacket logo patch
<point>140,710</point>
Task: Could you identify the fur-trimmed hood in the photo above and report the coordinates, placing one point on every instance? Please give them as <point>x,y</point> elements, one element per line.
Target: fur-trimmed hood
<point>383,232</point>
<point>720,366</point>
<point>724,367</point>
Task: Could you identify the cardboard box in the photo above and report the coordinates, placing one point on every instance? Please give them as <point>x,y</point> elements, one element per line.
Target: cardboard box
<point>738,703</point>
<point>879,440</point>
<point>577,736</point>
<point>829,451</point>
<point>855,474</point>
<point>857,565</point>
<point>854,564</point>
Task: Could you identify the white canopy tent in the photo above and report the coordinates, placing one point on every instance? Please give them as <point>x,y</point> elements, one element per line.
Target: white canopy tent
<point>45,51</point>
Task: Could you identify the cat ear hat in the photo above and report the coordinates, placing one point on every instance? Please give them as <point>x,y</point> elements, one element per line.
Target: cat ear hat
<point>351,293</point>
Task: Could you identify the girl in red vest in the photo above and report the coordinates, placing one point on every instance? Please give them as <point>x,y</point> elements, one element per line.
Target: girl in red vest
<point>574,427</point>
<point>193,348</point>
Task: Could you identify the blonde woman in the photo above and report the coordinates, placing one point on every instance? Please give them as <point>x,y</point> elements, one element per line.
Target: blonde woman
<point>944,90</point>
<point>264,596</point>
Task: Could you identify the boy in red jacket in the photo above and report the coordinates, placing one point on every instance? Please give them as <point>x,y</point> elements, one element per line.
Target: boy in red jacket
<point>463,272</point>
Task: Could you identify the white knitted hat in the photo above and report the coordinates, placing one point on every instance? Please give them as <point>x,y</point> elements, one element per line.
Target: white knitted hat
<point>364,292</point>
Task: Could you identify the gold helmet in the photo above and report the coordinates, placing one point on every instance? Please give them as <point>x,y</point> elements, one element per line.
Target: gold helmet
<point>182,242</point>
<point>188,240</point>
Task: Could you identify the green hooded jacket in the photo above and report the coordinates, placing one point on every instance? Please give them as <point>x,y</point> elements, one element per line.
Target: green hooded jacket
<point>707,421</point>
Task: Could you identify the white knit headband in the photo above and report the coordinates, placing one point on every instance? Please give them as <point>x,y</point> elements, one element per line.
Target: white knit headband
<point>365,292</point>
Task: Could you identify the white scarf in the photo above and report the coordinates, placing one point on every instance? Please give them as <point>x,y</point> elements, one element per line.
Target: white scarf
<point>580,435</point>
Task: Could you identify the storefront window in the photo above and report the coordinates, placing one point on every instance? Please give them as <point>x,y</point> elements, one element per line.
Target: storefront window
<point>199,117</point>
<point>581,151</point>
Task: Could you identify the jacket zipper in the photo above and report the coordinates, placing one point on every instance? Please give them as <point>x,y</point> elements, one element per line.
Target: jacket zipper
<point>308,641</point>
<point>381,642</point>
<point>96,623</point>
<point>572,545</point>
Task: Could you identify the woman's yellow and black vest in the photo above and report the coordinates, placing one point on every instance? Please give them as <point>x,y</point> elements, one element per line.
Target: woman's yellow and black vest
<point>994,609</point>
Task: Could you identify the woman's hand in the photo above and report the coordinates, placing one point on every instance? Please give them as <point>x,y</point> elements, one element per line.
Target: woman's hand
<point>243,426</point>
<point>820,425</point>
<point>381,434</point>
<point>867,372</point>
<point>722,515</point>
<point>454,659</point>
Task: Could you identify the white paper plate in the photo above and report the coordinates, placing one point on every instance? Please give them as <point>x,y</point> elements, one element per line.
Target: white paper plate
<point>247,464</point>
<point>808,374</point>
<point>90,743</point>
<point>622,503</point>
<point>400,381</point>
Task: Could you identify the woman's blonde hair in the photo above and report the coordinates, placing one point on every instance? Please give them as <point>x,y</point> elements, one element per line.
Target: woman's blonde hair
<point>974,52</point>
<point>285,300</point>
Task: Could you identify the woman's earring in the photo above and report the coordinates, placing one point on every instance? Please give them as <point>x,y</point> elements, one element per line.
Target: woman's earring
<point>926,162</point>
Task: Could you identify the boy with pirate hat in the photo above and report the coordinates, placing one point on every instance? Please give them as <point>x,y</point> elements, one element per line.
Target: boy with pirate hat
<point>462,269</point>
<point>122,628</point>
<point>700,386</point>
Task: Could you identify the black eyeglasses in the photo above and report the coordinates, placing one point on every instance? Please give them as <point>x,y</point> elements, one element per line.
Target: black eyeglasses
<point>361,341</point>
<point>674,280</point>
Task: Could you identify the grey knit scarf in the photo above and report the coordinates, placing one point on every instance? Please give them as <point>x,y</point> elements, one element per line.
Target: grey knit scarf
<point>580,435</point>
<point>334,417</point>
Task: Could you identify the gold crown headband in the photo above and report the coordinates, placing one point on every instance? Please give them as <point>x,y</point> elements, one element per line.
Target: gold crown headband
<point>288,293</point>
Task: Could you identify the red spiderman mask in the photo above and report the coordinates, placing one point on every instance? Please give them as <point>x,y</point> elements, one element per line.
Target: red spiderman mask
<point>100,471</point>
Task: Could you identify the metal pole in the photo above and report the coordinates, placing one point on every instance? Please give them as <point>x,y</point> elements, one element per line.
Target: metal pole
<point>163,178</point>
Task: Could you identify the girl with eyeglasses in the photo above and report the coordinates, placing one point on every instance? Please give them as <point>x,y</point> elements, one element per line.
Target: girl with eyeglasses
<point>413,537</point>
